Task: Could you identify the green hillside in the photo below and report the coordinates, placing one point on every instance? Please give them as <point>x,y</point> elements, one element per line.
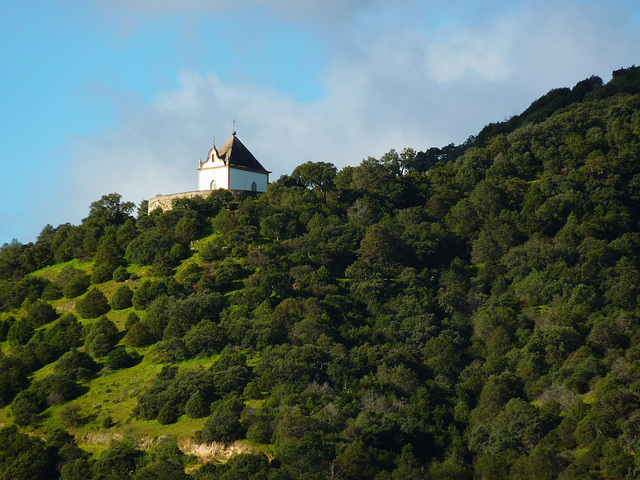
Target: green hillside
<point>466,312</point>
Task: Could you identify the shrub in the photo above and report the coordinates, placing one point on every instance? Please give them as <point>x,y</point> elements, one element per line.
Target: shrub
<point>118,461</point>
<point>70,416</point>
<point>93,304</point>
<point>75,469</point>
<point>190,274</point>
<point>63,334</point>
<point>132,319</point>
<point>14,376</point>
<point>75,365</point>
<point>102,273</point>
<point>210,251</point>
<point>51,292</point>
<point>107,422</point>
<point>223,425</point>
<point>19,332</point>
<point>119,358</point>
<point>172,350</point>
<point>167,415</point>
<point>122,298</point>
<point>25,408</point>
<point>74,282</point>
<point>204,339</point>
<point>101,337</point>
<point>58,384</point>
<point>138,336</point>
<point>146,293</point>
<point>197,406</point>
<point>5,325</point>
<point>40,313</point>
<point>100,345</point>
<point>120,274</point>
<point>260,432</point>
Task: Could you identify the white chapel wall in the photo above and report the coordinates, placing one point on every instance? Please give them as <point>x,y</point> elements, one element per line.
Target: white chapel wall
<point>208,175</point>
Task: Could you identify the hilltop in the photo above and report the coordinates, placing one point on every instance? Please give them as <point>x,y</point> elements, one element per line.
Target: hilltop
<point>470,311</point>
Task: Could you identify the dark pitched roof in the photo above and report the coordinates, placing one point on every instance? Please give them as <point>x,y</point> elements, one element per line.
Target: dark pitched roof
<point>236,154</point>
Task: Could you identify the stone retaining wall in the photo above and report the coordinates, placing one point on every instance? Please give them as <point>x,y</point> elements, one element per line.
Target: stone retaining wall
<point>165,201</point>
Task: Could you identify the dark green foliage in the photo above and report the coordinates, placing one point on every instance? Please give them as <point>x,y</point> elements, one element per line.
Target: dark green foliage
<point>13,378</point>
<point>165,460</point>
<point>55,388</point>
<point>197,406</point>
<point>40,313</point>
<point>171,350</point>
<point>51,292</point>
<point>119,358</point>
<point>146,293</point>
<point>73,282</point>
<point>132,319</point>
<point>25,407</point>
<point>121,274</point>
<point>204,339</point>
<point>186,230</point>
<point>24,457</point>
<point>138,336</point>
<point>167,414</point>
<point>64,334</point>
<point>223,425</point>
<point>15,292</point>
<point>320,175</point>
<point>76,365</point>
<point>93,304</point>
<point>230,372</point>
<point>174,390</point>
<point>5,325</point>
<point>121,298</point>
<point>244,466</point>
<point>101,337</point>
<point>109,210</point>
<point>102,273</point>
<point>20,332</point>
<point>70,416</point>
<point>211,251</point>
<point>10,260</point>
<point>150,245</point>
<point>179,315</point>
<point>119,460</point>
<point>77,469</point>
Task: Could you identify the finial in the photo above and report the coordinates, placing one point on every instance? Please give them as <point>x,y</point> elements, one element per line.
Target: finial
<point>234,128</point>
<point>214,141</point>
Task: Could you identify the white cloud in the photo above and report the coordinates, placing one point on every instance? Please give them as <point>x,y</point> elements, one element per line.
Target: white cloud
<point>392,85</point>
<point>462,53</point>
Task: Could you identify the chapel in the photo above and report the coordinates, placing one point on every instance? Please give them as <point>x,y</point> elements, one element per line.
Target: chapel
<point>232,167</point>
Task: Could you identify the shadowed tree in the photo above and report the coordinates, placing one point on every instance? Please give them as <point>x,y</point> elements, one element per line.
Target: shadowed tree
<point>93,304</point>
<point>109,210</point>
<point>317,174</point>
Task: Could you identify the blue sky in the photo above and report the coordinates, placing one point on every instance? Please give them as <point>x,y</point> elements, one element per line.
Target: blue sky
<point>125,95</point>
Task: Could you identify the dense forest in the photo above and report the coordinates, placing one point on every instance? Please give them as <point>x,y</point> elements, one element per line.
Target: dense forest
<point>464,312</point>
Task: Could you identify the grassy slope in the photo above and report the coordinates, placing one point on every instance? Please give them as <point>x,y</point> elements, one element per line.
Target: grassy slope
<point>111,394</point>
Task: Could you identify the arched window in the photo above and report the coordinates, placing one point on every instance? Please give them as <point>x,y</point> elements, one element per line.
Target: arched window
<point>254,187</point>
<point>214,185</point>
